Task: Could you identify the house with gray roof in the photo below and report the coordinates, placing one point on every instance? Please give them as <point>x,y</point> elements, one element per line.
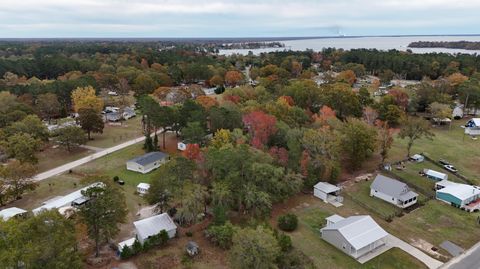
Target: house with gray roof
<point>148,162</point>
<point>393,191</point>
<point>355,235</point>
<point>148,227</point>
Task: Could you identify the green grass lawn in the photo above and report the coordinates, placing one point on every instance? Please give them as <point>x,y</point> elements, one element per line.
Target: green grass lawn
<point>114,135</point>
<point>449,144</point>
<point>308,240</point>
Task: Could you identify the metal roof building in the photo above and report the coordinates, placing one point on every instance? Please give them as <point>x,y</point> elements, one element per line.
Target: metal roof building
<point>11,212</point>
<point>147,162</point>
<point>154,225</point>
<point>393,191</point>
<point>355,235</point>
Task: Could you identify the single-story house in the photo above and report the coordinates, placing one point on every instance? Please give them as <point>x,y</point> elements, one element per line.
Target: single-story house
<point>64,202</point>
<point>393,191</point>
<point>142,188</point>
<point>11,212</point>
<point>324,190</point>
<point>457,194</point>
<point>127,243</point>
<point>473,127</point>
<point>432,174</point>
<point>417,158</point>
<point>355,235</point>
<point>148,162</point>
<point>153,226</point>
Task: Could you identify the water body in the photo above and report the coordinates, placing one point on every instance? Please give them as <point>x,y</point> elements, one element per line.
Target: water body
<point>348,43</point>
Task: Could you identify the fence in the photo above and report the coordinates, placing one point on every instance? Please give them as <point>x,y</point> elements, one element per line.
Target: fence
<point>398,211</point>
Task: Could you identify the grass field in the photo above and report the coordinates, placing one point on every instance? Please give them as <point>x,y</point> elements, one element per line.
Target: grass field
<point>113,135</point>
<point>449,144</point>
<point>53,157</point>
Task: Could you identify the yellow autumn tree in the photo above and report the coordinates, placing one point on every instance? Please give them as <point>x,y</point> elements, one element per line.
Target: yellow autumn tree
<point>222,138</point>
<point>85,97</point>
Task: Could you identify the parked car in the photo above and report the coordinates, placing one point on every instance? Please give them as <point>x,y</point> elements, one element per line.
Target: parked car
<point>444,162</point>
<point>450,168</point>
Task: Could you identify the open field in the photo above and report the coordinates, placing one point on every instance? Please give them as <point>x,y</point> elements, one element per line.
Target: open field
<point>449,144</point>
<point>53,157</point>
<point>116,134</point>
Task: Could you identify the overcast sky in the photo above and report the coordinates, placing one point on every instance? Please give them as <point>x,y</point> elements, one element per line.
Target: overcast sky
<point>235,18</point>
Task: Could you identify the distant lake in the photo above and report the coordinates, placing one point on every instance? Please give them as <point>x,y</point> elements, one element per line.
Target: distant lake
<point>348,43</point>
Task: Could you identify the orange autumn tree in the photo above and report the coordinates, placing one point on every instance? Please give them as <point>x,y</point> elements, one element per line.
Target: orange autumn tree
<point>192,152</point>
<point>260,126</point>
<point>206,102</point>
<point>232,78</point>
<point>324,115</point>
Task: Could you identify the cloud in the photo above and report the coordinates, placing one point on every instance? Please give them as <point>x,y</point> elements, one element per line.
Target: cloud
<point>70,18</point>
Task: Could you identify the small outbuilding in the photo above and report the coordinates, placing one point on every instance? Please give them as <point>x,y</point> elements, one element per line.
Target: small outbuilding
<point>417,158</point>
<point>325,190</point>
<point>142,188</point>
<point>355,235</point>
<point>127,243</point>
<point>154,225</point>
<point>432,174</point>
<point>473,127</point>
<point>148,162</point>
<point>192,248</point>
<point>11,212</point>
<point>393,191</point>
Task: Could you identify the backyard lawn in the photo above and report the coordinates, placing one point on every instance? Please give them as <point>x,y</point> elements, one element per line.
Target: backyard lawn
<point>115,134</point>
<point>449,144</point>
<point>53,157</point>
<point>307,239</point>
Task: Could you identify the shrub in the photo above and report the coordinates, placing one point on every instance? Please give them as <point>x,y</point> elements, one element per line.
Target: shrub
<point>288,222</point>
<point>284,241</point>
<point>221,235</point>
<point>136,247</point>
<point>189,234</point>
<point>126,252</point>
<point>116,178</point>
<point>219,90</point>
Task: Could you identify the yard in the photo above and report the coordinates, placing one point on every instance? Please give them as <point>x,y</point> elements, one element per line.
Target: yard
<point>52,157</point>
<point>307,239</point>
<point>449,144</point>
<point>115,134</point>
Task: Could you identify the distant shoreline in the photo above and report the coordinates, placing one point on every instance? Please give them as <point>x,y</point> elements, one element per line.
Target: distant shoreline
<point>466,45</point>
<point>211,39</point>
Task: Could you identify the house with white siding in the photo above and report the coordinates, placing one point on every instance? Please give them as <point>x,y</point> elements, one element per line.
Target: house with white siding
<point>393,191</point>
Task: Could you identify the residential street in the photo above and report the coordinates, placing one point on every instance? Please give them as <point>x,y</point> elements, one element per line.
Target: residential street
<point>96,155</point>
<point>469,260</point>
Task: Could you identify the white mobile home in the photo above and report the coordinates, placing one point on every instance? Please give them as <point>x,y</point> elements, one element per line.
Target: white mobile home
<point>355,235</point>
<point>432,174</point>
<point>148,162</point>
<point>142,188</point>
<point>11,212</point>
<point>393,191</point>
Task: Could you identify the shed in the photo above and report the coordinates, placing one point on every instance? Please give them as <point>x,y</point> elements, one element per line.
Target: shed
<point>153,226</point>
<point>142,188</point>
<point>355,235</point>
<point>127,243</point>
<point>432,174</point>
<point>393,191</point>
<point>417,158</point>
<point>11,212</point>
<point>323,190</point>
<point>192,248</point>
<point>148,162</point>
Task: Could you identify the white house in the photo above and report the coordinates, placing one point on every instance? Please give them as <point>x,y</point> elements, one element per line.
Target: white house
<point>142,188</point>
<point>154,225</point>
<point>62,203</point>
<point>432,174</point>
<point>457,194</point>
<point>393,191</point>
<point>148,162</point>
<point>127,243</point>
<point>325,190</point>
<point>11,212</point>
<point>355,235</point>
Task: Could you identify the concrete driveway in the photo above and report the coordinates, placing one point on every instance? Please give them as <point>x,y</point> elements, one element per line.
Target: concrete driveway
<point>415,252</point>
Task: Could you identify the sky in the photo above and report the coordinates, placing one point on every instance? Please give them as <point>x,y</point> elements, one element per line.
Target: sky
<point>235,18</point>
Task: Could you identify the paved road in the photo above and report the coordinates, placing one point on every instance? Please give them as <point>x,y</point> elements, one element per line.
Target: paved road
<point>469,260</point>
<point>64,168</point>
<point>420,255</point>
